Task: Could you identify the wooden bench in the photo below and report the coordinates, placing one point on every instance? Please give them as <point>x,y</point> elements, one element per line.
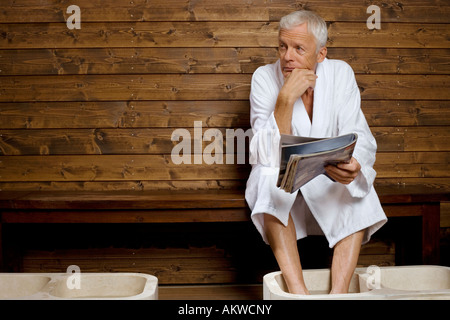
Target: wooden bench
<point>194,206</point>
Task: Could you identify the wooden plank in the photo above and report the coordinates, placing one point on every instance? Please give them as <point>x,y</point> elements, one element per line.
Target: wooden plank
<point>49,115</point>
<point>182,114</point>
<point>445,215</point>
<point>390,35</point>
<point>213,34</point>
<point>126,185</point>
<point>209,60</point>
<point>413,170</point>
<point>143,200</point>
<point>174,270</point>
<point>393,87</point>
<point>376,259</point>
<point>135,216</point>
<point>176,185</point>
<point>159,141</point>
<point>377,252</point>
<point>430,234</point>
<point>139,34</point>
<point>437,183</point>
<point>84,202</point>
<point>378,246</point>
<point>198,87</point>
<point>412,138</point>
<point>117,141</point>
<point>112,168</point>
<point>386,60</point>
<point>158,167</point>
<point>411,195</point>
<point>402,210</point>
<point>189,251</point>
<point>419,11</point>
<point>406,113</point>
<point>124,114</point>
<point>134,60</point>
<point>126,87</point>
<point>418,138</point>
<point>404,158</point>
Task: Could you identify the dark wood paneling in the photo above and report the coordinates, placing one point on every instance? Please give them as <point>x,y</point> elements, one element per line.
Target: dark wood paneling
<point>422,11</point>
<point>134,60</point>
<point>439,183</point>
<point>209,60</point>
<point>160,167</point>
<point>395,87</point>
<point>126,87</point>
<point>198,87</point>
<point>213,34</point>
<point>124,185</point>
<point>110,141</point>
<point>407,113</point>
<point>113,168</point>
<point>137,70</point>
<point>159,141</point>
<point>182,114</point>
<point>124,114</point>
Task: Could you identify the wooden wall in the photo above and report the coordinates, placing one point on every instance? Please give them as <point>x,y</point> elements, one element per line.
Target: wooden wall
<point>94,108</point>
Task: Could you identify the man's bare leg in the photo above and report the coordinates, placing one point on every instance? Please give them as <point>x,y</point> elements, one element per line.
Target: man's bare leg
<point>283,241</point>
<point>345,258</point>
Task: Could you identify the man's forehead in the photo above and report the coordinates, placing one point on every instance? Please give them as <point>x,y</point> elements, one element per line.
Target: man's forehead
<point>298,33</point>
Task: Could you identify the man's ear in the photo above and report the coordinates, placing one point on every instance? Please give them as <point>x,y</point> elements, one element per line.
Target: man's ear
<point>322,54</point>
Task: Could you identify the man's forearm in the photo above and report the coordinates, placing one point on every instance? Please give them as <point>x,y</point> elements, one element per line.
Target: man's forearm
<point>283,115</point>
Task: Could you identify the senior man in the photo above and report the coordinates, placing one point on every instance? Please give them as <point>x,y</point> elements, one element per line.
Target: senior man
<point>306,94</point>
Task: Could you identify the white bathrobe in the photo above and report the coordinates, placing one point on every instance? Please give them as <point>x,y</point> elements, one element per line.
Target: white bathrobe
<point>322,206</point>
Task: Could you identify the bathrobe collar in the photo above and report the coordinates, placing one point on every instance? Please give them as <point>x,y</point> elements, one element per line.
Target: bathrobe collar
<point>302,125</point>
<point>319,127</point>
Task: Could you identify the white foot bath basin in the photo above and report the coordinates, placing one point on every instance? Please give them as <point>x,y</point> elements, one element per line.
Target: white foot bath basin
<point>91,286</point>
<point>405,282</point>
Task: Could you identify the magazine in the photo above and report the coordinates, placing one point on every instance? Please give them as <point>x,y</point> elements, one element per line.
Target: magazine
<point>303,158</point>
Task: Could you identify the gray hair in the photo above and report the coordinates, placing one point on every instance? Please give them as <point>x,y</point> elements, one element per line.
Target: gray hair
<point>316,25</point>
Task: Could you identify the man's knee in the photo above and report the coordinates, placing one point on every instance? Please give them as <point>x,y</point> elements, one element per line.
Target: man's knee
<point>274,226</point>
<point>270,219</point>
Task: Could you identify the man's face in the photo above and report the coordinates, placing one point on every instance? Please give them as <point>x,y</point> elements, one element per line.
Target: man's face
<point>297,49</point>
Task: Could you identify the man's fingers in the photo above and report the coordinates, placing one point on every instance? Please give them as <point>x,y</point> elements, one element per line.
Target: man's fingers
<point>298,81</point>
<point>339,175</point>
<point>353,165</point>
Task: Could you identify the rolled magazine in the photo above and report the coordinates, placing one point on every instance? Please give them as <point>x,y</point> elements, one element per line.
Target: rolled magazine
<point>304,158</point>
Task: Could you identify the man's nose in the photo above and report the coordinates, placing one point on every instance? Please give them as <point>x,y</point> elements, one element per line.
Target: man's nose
<point>288,55</point>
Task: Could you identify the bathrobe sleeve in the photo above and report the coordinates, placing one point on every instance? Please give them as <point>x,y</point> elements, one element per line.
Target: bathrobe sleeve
<point>350,118</point>
<point>266,136</point>
<point>262,194</point>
